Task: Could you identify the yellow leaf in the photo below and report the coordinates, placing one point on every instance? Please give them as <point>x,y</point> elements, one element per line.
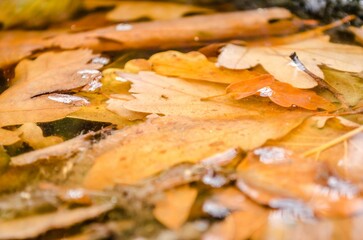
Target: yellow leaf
<point>8,137</point>
<point>148,148</point>
<point>196,66</point>
<point>358,32</point>
<point>312,52</point>
<point>174,208</point>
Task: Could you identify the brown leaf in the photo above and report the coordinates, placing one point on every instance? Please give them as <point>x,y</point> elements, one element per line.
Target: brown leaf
<point>183,32</point>
<point>280,93</point>
<point>358,32</point>
<point>174,208</point>
<point>33,226</point>
<point>128,10</point>
<point>8,137</point>
<point>30,98</point>
<point>33,135</point>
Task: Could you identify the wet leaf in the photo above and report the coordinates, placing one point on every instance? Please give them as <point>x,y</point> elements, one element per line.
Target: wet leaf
<point>194,65</point>
<point>128,11</point>
<point>148,148</point>
<point>33,226</point>
<point>8,137</point>
<point>174,207</point>
<point>189,31</point>
<point>33,135</point>
<point>280,93</point>
<point>312,52</point>
<point>31,96</point>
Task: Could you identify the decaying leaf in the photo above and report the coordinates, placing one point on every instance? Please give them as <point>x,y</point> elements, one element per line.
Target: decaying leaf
<point>32,95</point>
<point>196,66</point>
<point>128,11</point>
<point>280,93</point>
<point>33,226</point>
<point>174,207</point>
<point>164,145</point>
<point>312,52</point>
<point>8,137</point>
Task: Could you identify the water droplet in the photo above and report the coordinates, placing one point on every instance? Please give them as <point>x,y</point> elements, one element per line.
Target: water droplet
<point>101,60</point>
<point>68,99</point>
<point>91,74</point>
<point>297,65</point>
<point>265,92</point>
<point>214,209</point>
<point>214,180</point>
<point>123,27</point>
<point>75,193</point>
<point>271,155</point>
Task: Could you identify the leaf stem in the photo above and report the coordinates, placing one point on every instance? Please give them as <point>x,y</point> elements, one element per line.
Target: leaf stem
<point>333,142</point>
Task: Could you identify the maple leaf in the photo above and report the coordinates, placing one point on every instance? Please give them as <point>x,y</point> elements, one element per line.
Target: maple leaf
<point>184,65</point>
<point>312,52</point>
<point>32,95</point>
<point>280,93</point>
<point>173,210</point>
<point>128,10</point>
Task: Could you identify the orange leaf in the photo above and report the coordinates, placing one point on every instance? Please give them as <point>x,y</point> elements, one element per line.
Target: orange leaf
<point>280,93</point>
<point>173,210</point>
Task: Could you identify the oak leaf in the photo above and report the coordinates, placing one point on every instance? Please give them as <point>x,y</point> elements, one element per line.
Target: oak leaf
<point>312,53</point>
<point>280,93</point>
<point>128,10</point>
<point>173,209</point>
<point>32,95</point>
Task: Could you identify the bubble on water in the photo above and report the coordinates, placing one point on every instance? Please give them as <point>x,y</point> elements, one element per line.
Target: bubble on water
<point>215,209</point>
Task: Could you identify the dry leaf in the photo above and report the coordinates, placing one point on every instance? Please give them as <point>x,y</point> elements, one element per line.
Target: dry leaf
<point>33,226</point>
<point>33,135</point>
<point>30,97</point>
<point>128,10</point>
<point>196,66</point>
<point>280,93</point>
<point>174,208</point>
<point>183,32</point>
<point>148,148</point>
<point>116,104</point>
<point>312,52</point>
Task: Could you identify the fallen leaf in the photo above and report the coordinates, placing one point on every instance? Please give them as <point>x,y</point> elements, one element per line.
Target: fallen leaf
<point>194,65</point>
<point>280,93</point>
<point>348,84</point>
<point>128,11</point>
<point>174,208</point>
<point>145,149</point>
<point>358,33</point>
<point>33,135</point>
<point>188,31</point>
<point>31,96</point>
<point>33,226</point>
<point>306,186</point>
<point>8,137</point>
<point>312,52</point>
<point>116,104</point>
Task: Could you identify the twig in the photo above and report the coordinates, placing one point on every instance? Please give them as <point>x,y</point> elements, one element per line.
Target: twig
<point>321,82</point>
<point>333,142</point>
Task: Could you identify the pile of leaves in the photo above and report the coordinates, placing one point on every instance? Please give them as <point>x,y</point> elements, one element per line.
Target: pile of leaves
<point>136,120</point>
